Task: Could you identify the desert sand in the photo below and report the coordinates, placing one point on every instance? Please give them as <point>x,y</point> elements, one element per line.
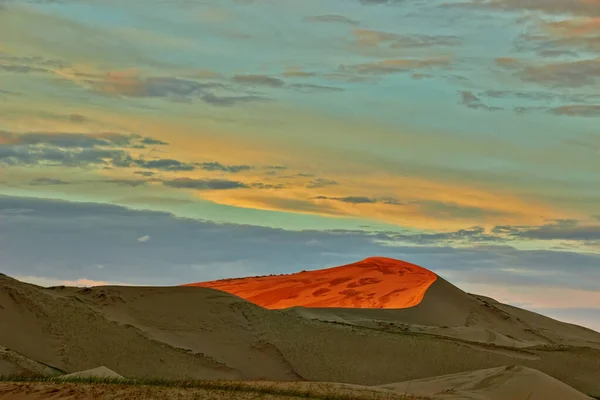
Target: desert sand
<point>201,333</point>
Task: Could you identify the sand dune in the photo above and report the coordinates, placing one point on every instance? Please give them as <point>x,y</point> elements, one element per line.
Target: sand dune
<point>201,333</point>
<point>513,382</point>
<point>375,282</point>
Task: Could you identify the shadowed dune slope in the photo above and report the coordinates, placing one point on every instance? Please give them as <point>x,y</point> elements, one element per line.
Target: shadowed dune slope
<point>511,382</point>
<point>375,282</point>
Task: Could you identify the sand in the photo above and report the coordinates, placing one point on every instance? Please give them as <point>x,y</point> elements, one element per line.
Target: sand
<point>250,391</point>
<point>510,382</point>
<point>201,333</point>
<point>375,282</point>
<point>100,372</point>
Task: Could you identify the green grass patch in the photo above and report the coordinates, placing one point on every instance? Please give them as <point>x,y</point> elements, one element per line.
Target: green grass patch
<point>227,386</point>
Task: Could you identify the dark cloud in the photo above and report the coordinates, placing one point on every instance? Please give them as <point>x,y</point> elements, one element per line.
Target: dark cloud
<point>26,65</point>
<point>215,166</point>
<point>152,141</point>
<point>66,241</point>
<point>471,100</point>
<point>126,182</point>
<point>308,87</point>
<point>557,230</point>
<point>129,84</point>
<point>230,100</point>
<point>204,184</point>
<point>350,199</point>
<point>28,155</point>
<point>164,165</point>
<point>48,182</point>
<point>77,140</point>
<point>267,186</point>
<point>557,53</point>
<point>78,118</point>
<point>259,80</point>
<point>332,18</point>
<point>320,183</point>
<point>144,173</point>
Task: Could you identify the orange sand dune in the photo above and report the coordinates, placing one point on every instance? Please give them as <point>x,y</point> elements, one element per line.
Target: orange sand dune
<point>375,282</point>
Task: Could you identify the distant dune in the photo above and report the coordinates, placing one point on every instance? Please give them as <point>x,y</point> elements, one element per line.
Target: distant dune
<point>201,333</point>
<point>375,282</point>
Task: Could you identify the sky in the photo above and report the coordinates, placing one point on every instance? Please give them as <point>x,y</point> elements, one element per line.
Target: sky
<point>173,141</point>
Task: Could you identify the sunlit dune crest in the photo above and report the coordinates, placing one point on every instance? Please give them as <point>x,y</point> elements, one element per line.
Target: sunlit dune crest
<point>375,282</point>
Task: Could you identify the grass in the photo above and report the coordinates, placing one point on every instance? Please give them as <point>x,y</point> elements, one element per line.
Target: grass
<point>223,386</point>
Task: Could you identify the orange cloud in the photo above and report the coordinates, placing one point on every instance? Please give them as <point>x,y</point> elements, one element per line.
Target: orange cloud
<point>126,83</point>
<point>574,27</point>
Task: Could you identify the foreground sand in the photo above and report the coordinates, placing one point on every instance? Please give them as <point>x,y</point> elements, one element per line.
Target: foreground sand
<point>502,383</point>
<point>200,333</point>
<point>234,391</point>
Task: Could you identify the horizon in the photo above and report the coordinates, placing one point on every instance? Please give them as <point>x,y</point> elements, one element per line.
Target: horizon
<point>189,141</point>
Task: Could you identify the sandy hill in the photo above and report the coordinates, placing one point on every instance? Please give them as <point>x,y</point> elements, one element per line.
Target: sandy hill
<point>202,333</point>
<point>375,282</point>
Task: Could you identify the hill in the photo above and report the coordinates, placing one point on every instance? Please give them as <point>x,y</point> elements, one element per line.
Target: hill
<point>201,333</point>
<point>375,282</point>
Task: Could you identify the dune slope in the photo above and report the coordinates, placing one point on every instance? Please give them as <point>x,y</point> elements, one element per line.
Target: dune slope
<point>502,383</point>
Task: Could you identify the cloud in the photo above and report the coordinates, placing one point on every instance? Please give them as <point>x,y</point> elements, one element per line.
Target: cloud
<point>332,18</point>
<point>78,118</point>
<point>204,184</point>
<point>507,62</point>
<point>164,165</point>
<point>48,182</point>
<point>30,155</point>
<point>470,100</point>
<point>320,183</point>
<point>308,87</point>
<point>577,110</point>
<point>574,74</point>
<point>194,250</point>
<point>371,38</point>
<point>230,100</point>
<point>259,80</point>
<point>297,73</point>
<point>350,199</point>
<point>215,166</point>
<point>143,239</point>
<point>81,282</point>
<point>152,141</point>
<point>395,66</point>
<point>131,84</point>
<point>77,140</point>
<point>557,230</point>
<point>587,8</point>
